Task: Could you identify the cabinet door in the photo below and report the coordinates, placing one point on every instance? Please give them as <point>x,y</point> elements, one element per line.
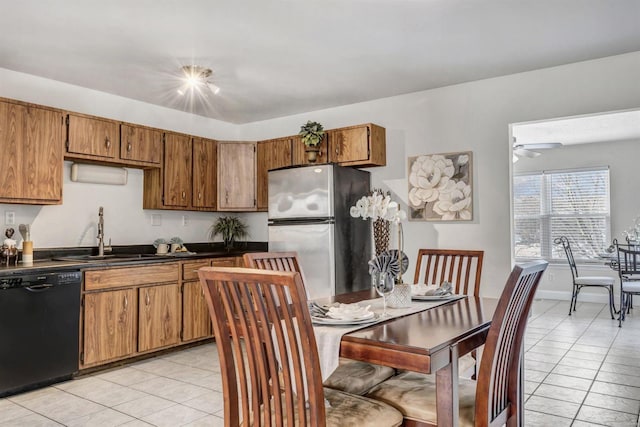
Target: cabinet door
<point>204,173</point>
<point>300,156</point>
<point>196,322</point>
<point>109,320</point>
<point>140,144</point>
<point>349,144</point>
<point>158,316</point>
<point>272,154</point>
<point>236,176</point>
<point>177,170</point>
<point>92,136</point>
<point>31,160</point>
<point>362,145</point>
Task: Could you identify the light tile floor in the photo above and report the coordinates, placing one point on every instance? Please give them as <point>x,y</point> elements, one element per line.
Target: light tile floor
<point>580,370</point>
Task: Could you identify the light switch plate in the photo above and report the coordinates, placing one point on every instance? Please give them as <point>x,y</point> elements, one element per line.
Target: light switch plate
<point>185,220</point>
<point>156,219</point>
<point>9,218</point>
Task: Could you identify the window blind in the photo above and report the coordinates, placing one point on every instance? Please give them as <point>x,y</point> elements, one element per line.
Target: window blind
<point>572,203</point>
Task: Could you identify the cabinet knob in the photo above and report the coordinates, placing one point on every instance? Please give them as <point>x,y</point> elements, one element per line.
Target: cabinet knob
<point>184,195</point>
<point>107,143</point>
<point>126,302</point>
<point>147,299</point>
<point>199,196</point>
<point>128,146</point>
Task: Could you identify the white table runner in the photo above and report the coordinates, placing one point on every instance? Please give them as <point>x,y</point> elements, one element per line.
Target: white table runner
<point>328,337</point>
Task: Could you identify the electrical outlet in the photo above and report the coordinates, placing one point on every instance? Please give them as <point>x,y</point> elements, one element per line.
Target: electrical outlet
<point>156,219</point>
<point>185,220</point>
<point>9,218</point>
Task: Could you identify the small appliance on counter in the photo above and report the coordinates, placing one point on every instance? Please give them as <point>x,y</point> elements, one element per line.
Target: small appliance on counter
<point>309,214</point>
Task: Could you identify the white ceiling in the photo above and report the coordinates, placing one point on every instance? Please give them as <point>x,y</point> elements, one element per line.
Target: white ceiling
<point>277,58</point>
<point>604,127</point>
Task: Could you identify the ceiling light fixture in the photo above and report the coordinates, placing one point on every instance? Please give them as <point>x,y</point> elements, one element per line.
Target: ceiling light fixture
<point>526,149</point>
<point>196,78</point>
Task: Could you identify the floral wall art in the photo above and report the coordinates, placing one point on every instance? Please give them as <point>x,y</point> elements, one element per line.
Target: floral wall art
<point>440,187</point>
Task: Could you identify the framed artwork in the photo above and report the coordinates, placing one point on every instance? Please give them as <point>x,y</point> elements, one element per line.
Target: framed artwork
<point>440,187</point>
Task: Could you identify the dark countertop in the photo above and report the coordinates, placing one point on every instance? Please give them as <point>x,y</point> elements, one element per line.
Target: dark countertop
<point>45,259</point>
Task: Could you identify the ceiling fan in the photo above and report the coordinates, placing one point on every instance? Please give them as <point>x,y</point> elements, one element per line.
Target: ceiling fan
<point>528,149</point>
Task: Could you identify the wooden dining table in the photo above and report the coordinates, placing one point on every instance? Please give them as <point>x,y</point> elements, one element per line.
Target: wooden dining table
<point>429,342</point>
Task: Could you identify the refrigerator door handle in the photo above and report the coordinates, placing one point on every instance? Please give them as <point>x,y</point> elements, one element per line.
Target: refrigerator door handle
<point>285,222</point>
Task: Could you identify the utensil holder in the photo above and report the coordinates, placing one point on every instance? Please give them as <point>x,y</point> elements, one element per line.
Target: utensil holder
<point>27,252</point>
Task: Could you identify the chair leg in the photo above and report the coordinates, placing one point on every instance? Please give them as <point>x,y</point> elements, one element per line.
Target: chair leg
<point>612,307</point>
<point>574,297</point>
<point>622,308</point>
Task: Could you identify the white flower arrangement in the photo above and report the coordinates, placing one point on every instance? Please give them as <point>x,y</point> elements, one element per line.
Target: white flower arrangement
<point>378,205</point>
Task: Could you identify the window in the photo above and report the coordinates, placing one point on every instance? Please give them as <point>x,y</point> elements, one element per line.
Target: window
<point>572,203</point>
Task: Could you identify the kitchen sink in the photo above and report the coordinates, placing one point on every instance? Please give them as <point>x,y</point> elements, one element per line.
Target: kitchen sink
<point>106,258</point>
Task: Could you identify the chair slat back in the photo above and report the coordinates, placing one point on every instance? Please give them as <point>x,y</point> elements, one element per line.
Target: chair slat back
<point>497,396</point>
<point>564,241</point>
<point>628,260</point>
<point>461,268</point>
<point>262,324</point>
<point>276,261</point>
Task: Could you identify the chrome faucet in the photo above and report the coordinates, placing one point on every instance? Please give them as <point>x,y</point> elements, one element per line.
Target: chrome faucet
<point>101,246</point>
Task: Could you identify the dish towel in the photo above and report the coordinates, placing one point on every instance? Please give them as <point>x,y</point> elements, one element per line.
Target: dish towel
<point>328,337</point>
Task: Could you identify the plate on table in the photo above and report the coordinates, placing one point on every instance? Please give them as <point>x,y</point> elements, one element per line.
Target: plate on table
<point>331,321</point>
<point>434,297</point>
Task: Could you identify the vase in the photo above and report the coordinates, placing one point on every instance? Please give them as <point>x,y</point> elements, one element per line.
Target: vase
<point>312,154</point>
<point>401,296</point>
<point>381,229</point>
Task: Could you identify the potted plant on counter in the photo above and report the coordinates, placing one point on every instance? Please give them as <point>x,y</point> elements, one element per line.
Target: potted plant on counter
<point>231,228</point>
<point>312,134</point>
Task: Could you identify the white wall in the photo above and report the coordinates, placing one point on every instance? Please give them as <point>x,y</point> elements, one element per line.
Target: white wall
<point>475,116</point>
<point>471,116</point>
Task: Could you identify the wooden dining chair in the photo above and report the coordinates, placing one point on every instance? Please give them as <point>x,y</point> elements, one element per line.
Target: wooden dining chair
<point>495,399</point>
<point>261,322</point>
<point>461,268</point>
<point>351,376</point>
<point>580,282</point>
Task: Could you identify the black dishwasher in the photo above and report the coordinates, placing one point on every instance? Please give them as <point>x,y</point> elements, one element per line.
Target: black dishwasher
<point>39,329</point>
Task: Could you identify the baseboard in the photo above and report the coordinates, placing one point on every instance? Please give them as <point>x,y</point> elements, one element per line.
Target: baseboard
<point>600,297</point>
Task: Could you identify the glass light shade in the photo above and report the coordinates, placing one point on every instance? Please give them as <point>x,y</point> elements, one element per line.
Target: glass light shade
<point>96,174</point>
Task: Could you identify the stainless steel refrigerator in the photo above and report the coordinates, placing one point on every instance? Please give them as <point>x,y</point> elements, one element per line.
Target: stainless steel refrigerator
<point>309,214</point>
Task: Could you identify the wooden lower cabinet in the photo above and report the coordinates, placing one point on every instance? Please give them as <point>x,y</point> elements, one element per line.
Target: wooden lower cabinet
<point>109,326</point>
<point>158,316</point>
<point>196,322</point>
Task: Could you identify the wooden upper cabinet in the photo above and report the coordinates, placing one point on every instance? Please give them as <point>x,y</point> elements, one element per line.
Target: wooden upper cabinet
<point>31,160</point>
<point>271,154</point>
<point>177,170</point>
<point>92,136</point>
<point>363,145</point>
<point>204,173</point>
<point>236,176</point>
<point>300,156</point>
<point>141,144</point>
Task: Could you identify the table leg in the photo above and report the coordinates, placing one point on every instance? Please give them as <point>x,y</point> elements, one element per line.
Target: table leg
<point>447,391</point>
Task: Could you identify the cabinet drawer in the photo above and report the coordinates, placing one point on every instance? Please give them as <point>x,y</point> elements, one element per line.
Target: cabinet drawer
<point>232,261</point>
<point>190,268</point>
<point>130,276</point>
